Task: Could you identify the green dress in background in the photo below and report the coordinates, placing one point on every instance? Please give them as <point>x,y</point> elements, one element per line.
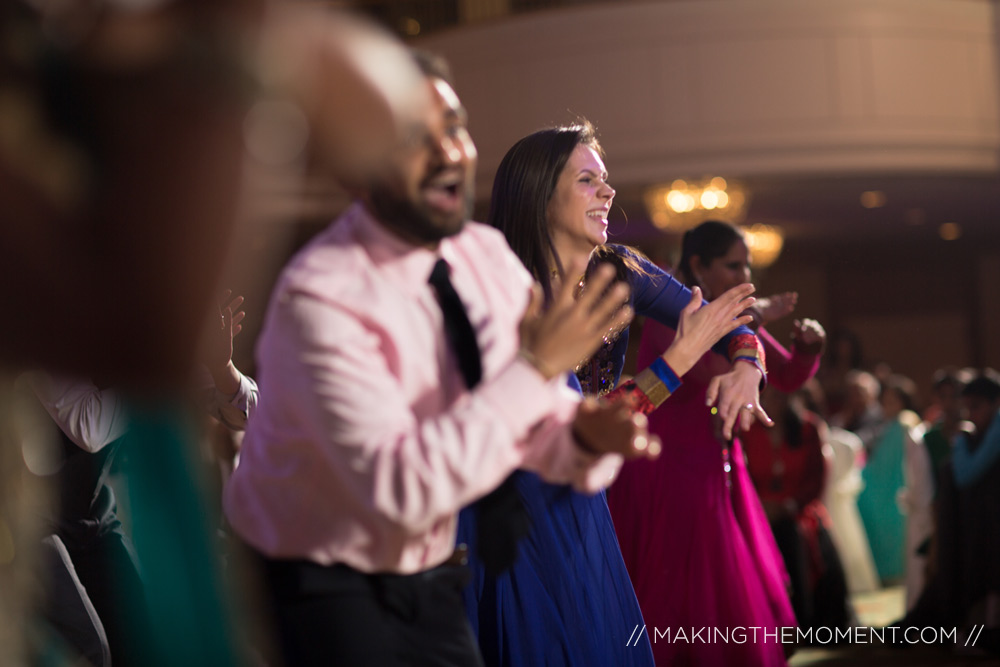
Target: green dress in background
<point>884,523</point>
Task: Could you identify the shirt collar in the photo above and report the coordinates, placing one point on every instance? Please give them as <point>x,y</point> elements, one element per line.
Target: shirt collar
<point>409,263</point>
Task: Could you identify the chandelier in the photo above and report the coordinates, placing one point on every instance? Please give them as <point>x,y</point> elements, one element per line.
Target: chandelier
<point>764,243</point>
<point>685,204</point>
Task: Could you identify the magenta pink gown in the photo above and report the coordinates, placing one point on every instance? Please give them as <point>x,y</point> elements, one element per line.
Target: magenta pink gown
<point>694,536</point>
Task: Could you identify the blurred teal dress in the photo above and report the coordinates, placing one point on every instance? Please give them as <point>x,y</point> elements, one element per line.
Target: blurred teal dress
<point>884,523</point>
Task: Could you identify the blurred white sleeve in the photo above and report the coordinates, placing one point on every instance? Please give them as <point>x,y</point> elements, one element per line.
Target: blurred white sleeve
<point>92,418</point>
<point>234,410</point>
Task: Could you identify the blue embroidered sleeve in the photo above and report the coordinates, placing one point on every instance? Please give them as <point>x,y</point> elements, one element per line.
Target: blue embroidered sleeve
<point>662,297</point>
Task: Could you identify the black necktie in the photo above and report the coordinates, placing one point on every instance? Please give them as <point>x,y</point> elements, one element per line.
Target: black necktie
<point>501,517</point>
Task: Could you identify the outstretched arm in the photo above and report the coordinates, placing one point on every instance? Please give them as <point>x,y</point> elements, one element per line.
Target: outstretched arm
<point>228,395</point>
<point>699,328</point>
<point>787,369</point>
<point>661,297</point>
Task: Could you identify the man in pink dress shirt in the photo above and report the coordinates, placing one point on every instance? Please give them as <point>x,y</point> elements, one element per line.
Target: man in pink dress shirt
<point>367,442</point>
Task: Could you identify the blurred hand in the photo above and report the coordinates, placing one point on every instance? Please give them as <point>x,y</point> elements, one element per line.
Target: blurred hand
<point>702,325</point>
<point>223,325</point>
<point>809,336</point>
<point>572,328</point>
<point>610,427</point>
<point>776,306</point>
<point>736,396</point>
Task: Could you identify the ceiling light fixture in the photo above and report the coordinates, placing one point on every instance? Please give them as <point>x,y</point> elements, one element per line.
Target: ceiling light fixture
<point>685,204</point>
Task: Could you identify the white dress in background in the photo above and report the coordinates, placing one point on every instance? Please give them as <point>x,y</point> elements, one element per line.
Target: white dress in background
<point>841,501</point>
<point>915,501</point>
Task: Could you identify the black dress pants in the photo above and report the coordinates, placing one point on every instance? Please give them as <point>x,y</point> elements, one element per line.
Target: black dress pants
<point>339,616</point>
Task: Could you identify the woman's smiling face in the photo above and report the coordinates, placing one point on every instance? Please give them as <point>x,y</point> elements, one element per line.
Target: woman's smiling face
<point>578,211</point>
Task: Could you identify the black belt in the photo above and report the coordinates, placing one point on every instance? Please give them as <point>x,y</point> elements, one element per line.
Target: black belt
<point>298,576</point>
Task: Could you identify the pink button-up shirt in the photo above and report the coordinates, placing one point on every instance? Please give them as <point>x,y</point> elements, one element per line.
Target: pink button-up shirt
<point>366,443</point>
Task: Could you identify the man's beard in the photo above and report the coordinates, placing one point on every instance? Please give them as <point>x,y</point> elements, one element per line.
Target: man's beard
<point>413,221</point>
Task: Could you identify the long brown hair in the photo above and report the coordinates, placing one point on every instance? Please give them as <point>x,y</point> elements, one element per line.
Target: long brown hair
<point>522,189</point>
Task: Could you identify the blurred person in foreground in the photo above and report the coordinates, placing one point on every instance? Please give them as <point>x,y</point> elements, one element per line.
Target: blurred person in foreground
<point>122,152</point>
<point>85,530</point>
<point>121,155</point>
<point>406,371</point>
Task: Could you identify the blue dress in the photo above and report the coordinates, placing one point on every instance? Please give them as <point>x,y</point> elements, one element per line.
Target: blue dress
<point>568,599</point>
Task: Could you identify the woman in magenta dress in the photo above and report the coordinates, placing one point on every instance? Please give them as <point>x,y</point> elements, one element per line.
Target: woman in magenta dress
<point>691,529</point>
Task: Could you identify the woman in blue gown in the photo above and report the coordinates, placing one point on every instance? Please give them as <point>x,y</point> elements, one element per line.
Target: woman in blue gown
<point>567,599</point>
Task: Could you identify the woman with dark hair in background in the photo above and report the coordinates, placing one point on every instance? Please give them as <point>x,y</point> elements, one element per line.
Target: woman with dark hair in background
<point>567,600</point>
<point>692,531</point>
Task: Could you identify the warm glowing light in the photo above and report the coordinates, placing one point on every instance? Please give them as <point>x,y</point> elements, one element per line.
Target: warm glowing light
<point>873,199</point>
<point>765,243</point>
<point>685,204</point>
<point>677,201</point>
<point>950,231</point>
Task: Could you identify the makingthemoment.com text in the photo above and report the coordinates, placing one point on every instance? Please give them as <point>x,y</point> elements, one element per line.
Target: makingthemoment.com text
<point>795,635</point>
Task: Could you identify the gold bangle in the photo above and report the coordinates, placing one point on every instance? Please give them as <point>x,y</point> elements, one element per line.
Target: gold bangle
<point>652,387</point>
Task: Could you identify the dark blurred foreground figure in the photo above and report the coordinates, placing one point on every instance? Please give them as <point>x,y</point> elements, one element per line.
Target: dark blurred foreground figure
<point>121,153</point>
<point>84,531</point>
<point>121,150</point>
<point>963,584</point>
<point>118,180</point>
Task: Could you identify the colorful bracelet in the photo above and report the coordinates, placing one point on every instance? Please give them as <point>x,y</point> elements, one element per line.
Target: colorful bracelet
<point>657,382</point>
<point>743,345</point>
<point>666,374</point>
<point>635,398</point>
<point>747,347</point>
